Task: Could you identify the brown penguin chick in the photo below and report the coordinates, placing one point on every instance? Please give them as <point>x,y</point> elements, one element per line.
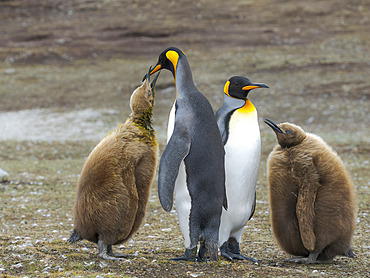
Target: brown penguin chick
<point>312,198</point>
<point>113,188</point>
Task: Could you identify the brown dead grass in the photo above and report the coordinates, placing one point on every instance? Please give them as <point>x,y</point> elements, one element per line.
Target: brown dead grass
<point>67,56</point>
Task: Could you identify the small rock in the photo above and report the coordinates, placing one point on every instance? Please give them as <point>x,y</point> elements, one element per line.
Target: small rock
<point>19,265</point>
<point>3,175</point>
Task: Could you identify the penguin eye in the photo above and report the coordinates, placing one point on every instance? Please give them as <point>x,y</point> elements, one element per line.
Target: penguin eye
<point>288,132</point>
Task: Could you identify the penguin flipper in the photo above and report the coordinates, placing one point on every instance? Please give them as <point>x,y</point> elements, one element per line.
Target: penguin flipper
<point>305,208</point>
<point>176,150</point>
<point>223,119</point>
<point>225,204</point>
<point>254,206</point>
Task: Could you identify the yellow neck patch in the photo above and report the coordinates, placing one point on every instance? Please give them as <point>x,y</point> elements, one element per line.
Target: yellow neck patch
<point>173,56</point>
<point>248,107</point>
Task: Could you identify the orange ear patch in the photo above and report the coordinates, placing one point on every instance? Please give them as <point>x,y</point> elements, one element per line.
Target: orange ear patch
<point>173,56</point>
<point>226,88</point>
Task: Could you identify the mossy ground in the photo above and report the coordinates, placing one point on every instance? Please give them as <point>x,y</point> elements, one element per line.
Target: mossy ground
<point>63,57</point>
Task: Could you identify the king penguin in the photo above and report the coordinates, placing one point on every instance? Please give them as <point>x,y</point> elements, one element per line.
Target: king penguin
<point>192,163</point>
<point>238,123</point>
<point>312,197</point>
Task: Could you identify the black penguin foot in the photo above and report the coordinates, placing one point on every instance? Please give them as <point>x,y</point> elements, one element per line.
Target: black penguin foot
<point>106,253</point>
<point>230,250</point>
<point>231,256</point>
<point>202,253</point>
<point>207,253</point>
<point>311,259</point>
<point>189,255</point>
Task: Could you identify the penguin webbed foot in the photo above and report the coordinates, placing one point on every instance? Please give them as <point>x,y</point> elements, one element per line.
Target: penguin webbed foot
<point>311,259</point>
<point>350,254</point>
<point>189,255</point>
<point>106,252</point>
<point>230,250</point>
<point>205,254</point>
<point>105,256</point>
<point>202,253</point>
<point>231,256</point>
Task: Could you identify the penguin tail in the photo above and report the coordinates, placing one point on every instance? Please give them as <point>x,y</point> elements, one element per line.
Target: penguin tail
<point>74,237</point>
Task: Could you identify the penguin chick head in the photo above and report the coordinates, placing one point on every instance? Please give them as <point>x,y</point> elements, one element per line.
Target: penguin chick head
<point>287,134</point>
<point>142,99</point>
<point>168,60</point>
<point>240,86</point>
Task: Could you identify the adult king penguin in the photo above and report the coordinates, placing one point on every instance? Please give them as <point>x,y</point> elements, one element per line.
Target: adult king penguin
<point>238,123</point>
<point>192,163</point>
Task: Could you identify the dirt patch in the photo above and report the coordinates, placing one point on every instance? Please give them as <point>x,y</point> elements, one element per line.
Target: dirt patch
<point>70,67</point>
<point>58,32</point>
<point>46,125</point>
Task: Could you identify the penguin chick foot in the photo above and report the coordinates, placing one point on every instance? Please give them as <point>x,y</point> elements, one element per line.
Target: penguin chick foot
<point>106,253</point>
<point>350,254</point>
<point>311,259</point>
<point>111,253</point>
<point>189,255</point>
<point>105,256</point>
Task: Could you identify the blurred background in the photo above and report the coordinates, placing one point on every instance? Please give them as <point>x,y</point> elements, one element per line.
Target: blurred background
<point>68,68</point>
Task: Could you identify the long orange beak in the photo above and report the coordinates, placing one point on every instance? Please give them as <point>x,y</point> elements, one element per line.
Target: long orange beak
<point>254,86</point>
<point>157,68</point>
<point>247,88</point>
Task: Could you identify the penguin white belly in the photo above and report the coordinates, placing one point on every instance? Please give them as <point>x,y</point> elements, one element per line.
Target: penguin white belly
<point>242,159</point>
<point>171,121</point>
<point>182,196</point>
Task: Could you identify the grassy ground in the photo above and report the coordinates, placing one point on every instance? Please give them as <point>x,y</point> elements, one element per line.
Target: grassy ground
<point>64,58</point>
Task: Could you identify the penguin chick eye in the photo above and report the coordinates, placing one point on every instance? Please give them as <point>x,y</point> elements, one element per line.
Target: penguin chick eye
<point>288,132</point>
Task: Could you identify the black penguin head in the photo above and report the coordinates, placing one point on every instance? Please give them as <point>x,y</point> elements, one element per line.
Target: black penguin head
<point>168,59</point>
<point>240,86</point>
<point>287,134</point>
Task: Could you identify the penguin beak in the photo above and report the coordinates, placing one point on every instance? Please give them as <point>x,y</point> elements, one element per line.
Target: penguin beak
<point>273,126</point>
<point>151,71</point>
<point>147,75</point>
<point>152,86</point>
<point>156,68</point>
<point>254,86</point>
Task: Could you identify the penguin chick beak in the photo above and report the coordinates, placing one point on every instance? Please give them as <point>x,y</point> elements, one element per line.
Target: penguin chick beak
<point>147,75</point>
<point>273,126</point>
<point>152,85</point>
<point>151,71</point>
<point>254,86</point>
